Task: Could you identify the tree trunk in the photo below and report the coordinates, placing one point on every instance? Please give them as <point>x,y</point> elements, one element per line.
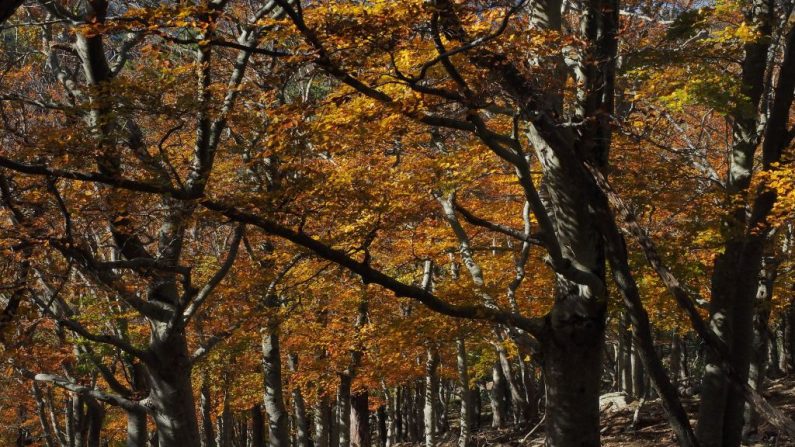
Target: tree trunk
<point>431,391</point>
<point>322,418</point>
<point>390,407</point>
<point>497,397</point>
<point>208,435</point>
<point>638,373</point>
<point>257,426</point>
<point>344,408</point>
<point>227,422</point>
<point>301,421</point>
<point>278,431</point>
<point>171,393</point>
<point>759,348</point>
<point>466,395</point>
<point>381,424</point>
<point>360,420</point>
<point>676,358</point>
<point>519,405</point>
<point>572,371</point>
<point>136,429</point>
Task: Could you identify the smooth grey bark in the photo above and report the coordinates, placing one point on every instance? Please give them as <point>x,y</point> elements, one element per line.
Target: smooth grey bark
<point>171,392</point>
<point>464,431</point>
<point>278,431</point>
<point>431,392</point>
<point>136,429</point>
<point>497,393</point>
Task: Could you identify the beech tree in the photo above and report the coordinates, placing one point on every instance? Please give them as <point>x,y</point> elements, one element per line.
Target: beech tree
<point>346,213</point>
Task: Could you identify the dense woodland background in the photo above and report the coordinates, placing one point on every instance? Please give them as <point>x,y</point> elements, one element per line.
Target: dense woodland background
<point>336,223</point>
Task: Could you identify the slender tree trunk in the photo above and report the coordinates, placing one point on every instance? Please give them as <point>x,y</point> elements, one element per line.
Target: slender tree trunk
<point>431,391</point>
<point>302,435</point>
<point>208,435</point>
<point>676,358</point>
<point>518,402</point>
<point>47,430</point>
<point>381,425</point>
<point>227,421</point>
<point>390,406</point>
<point>638,373</point>
<point>789,337</point>
<point>759,349</point>
<point>464,437</point>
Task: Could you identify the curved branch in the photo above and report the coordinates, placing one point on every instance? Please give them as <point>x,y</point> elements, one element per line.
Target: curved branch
<point>534,326</point>
<point>112,399</point>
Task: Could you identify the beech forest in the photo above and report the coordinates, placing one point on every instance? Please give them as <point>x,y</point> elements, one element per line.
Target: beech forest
<point>397,223</point>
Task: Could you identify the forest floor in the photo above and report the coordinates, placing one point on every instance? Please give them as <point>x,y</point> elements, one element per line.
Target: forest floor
<point>652,429</point>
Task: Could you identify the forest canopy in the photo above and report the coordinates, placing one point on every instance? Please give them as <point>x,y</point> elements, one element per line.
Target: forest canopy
<point>341,223</point>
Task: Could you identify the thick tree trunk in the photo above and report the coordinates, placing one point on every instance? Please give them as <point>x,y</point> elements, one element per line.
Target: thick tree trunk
<point>344,408</point>
<point>278,431</point>
<point>572,371</point>
<point>171,389</point>
<point>497,397</point>
<point>360,420</point>
<point>257,427</point>
<point>136,429</point>
<point>322,418</point>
